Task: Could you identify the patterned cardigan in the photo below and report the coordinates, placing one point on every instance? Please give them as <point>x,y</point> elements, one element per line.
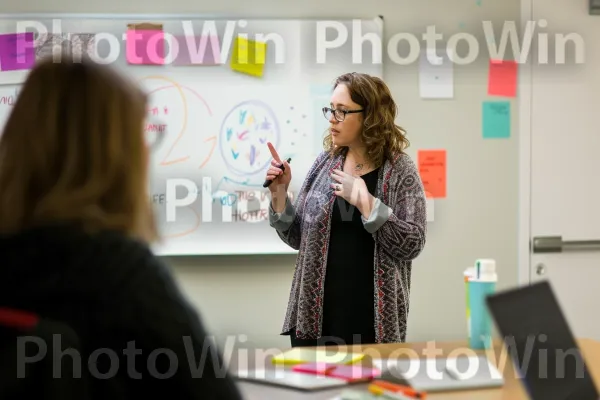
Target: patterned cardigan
<point>397,223</point>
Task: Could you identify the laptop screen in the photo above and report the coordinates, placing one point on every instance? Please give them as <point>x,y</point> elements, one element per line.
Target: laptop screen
<point>540,343</point>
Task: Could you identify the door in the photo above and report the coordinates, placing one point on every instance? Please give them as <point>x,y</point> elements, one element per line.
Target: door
<point>565,163</point>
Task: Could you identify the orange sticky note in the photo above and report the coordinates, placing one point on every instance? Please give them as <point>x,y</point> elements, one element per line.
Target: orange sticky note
<point>502,78</point>
<point>432,168</point>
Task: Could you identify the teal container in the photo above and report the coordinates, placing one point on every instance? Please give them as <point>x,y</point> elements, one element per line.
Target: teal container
<point>481,285</point>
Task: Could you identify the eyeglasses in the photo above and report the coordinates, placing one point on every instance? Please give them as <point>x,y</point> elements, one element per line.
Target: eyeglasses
<point>340,115</point>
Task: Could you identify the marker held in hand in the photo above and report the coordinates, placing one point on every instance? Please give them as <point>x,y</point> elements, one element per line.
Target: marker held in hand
<point>282,167</point>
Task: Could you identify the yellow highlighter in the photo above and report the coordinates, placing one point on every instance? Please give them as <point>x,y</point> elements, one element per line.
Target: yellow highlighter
<point>385,394</point>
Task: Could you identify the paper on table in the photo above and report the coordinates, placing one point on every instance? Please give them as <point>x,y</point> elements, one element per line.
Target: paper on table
<point>350,394</point>
<point>288,378</point>
<point>473,372</point>
<point>436,74</point>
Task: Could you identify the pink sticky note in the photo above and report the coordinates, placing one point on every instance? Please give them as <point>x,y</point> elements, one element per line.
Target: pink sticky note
<point>319,368</point>
<point>145,47</point>
<point>16,51</point>
<point>353,373</point>
<point>197,50</point>
<point>502,78</point>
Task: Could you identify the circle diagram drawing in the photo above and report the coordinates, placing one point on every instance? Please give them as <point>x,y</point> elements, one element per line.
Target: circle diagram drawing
<point>244,135</point>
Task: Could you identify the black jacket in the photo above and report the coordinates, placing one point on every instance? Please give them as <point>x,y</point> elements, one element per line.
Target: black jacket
<point>139,337</point>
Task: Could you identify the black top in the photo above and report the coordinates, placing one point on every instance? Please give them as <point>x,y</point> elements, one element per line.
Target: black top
<point>117,296</point>
<point>348,306</point>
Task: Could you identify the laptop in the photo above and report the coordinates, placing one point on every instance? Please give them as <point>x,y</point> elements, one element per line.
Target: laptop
<point>540,343</point>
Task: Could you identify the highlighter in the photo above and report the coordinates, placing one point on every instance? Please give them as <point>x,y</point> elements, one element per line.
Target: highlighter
<point>384,394</point>
<point>405,390</point>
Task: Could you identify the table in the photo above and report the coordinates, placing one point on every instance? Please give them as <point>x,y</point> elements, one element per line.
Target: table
<point>512,389</point>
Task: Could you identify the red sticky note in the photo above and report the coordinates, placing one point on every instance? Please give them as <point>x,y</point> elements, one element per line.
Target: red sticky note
<point>502,78</point>
<point>432,168</point>
<point>145,47</point>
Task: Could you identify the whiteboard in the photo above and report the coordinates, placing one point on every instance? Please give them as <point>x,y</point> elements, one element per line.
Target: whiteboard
<point>216,120</point>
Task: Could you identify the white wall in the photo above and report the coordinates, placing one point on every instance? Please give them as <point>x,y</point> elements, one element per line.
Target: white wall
<point>478,219</point>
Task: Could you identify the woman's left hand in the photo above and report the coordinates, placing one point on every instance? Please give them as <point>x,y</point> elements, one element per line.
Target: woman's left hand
<point>352,189</point>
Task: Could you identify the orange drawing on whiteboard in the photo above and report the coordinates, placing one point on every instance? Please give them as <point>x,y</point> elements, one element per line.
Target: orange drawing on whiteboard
<point>185,118</point>
<point>212,149</point>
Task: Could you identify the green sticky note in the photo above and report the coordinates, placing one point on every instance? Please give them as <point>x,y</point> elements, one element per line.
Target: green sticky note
<point>496,119</point>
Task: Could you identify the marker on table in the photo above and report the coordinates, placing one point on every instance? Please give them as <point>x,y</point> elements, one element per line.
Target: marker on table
<point>402,389</point>
<point>268,182</point>
<point>385,394</point>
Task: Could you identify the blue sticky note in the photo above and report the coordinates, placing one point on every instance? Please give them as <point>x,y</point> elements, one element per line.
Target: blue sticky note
<point>496,119</point>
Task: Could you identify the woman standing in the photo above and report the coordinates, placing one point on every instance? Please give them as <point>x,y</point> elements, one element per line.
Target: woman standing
<point>358,222</point>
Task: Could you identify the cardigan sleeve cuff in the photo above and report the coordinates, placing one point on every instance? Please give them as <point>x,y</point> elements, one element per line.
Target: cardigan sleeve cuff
<point>379,215</point>
<point>282,221</point>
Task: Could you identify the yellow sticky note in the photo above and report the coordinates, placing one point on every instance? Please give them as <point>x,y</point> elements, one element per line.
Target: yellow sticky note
<point>299,355</point>
<point>249,56</point>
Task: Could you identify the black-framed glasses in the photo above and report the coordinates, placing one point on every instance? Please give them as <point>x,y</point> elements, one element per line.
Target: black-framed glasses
<point>340,115</point>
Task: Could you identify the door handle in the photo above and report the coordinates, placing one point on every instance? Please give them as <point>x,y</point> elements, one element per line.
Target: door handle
<point>555,244</point>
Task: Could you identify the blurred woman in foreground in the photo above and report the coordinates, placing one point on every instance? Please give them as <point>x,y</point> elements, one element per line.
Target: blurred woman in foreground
<point>75,227</point>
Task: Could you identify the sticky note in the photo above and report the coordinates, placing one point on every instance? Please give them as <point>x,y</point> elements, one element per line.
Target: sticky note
<point>502,78</point>
<point>432,168</point>
<point>299,355</point>
<point>436,74</point>
<point>249,56</point>
<point>197,50</point>
<point>16,51</point>
<point>145,47</point>
<point>496,119</point>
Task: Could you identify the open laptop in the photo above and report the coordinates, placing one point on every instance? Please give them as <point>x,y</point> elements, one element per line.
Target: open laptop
<point>540,342</point>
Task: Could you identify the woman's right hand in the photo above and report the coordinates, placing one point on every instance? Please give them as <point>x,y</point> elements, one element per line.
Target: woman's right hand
<point>281,179</point>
